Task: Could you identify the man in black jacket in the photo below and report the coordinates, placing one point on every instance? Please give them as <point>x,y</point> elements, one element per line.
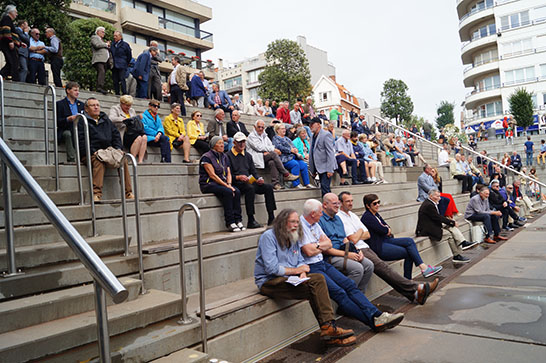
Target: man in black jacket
<point>431,223</point>
<point>247,180</point>
<point>122,55</point>
<point>102,134</point>
<point>67,109</point>
<point>497,201</point>
<point>234,126</point>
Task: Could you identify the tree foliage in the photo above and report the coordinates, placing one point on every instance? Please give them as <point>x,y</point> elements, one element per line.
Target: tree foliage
<point>43,14</point>
<point>395,102</point>
<point>78,54</point>
<point>286,75</point>
<point>445,114</point>
<point>521,107</point>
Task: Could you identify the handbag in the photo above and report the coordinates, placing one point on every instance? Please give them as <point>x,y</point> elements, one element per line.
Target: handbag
<point>134,126</point>
<point>110,61</point>
<point>110,156</point>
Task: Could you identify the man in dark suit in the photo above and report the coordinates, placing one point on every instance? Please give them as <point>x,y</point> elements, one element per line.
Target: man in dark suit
<point>122,55</point>
<point>67,109</point>
<point>141,72</point>
<point>22,31</point>
<point>235,126</point>
<point>431,223</point>
<point>322,158</point>
<point>220,99</point>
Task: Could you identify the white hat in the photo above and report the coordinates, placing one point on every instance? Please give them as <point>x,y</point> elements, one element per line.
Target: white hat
<point>239,136</point>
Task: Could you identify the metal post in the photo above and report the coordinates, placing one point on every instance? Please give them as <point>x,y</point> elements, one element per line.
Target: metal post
<point>78,160</point>
<point>8,221</point>
<point>46,126</point>
<point>2,118</point>
<point>103,338</point>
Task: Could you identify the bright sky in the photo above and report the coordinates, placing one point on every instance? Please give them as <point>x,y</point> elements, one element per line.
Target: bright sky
<point>367,41</point>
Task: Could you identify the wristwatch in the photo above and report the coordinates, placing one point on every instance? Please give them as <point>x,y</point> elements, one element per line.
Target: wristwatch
<point>318,245</point>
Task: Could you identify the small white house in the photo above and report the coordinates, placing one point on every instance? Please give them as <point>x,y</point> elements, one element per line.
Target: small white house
<point>329,94</point>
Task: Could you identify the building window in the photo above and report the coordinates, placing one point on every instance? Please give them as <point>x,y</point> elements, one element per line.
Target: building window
<point>484,31</point>
<point>233,82</point>
<point>520,75</point>
<point>517,47</point>
<point>486,57</point>
<point>253,76</point>
<point>324,96</point>
<point>490,109</point>
<point>253,93</point>
<point>488,83</point>
<point>543,71</point>
<point>515,20</point>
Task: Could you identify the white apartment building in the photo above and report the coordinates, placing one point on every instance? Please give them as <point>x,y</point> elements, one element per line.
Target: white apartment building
<point>504,48</point>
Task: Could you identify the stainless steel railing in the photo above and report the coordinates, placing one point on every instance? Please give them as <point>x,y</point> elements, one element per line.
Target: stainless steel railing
<point>103,278</point>
<point>137,215</point>
<point>2,117</point>
<point>89,168</point>
<point>185,319</point>
<point>46,132</point>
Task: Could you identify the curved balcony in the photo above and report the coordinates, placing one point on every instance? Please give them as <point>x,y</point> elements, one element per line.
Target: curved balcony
<point>470,19</point>
<point>462,5</point>
<point>473,72</point>
<point>476,98</point>
<point>473,46</point>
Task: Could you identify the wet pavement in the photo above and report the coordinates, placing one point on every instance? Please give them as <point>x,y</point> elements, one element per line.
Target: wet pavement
<point>491,310</point>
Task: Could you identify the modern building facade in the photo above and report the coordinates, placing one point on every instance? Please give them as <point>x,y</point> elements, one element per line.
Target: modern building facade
<point>504,48</point>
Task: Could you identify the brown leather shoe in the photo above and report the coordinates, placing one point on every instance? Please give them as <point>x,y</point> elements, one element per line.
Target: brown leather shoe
<point>489,240</point>
<point>341,342</point>
<point>500,238</point>
<point>434,285</point>
<point>329,331</point>
<point>423,290</point>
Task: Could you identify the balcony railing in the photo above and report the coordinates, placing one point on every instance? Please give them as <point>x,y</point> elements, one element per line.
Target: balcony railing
<point>521,81</point>
<point>487,5</point>
<point>104,5</point>
<point>483,89</point>
<point>477,64</point>
<point>184,29</point>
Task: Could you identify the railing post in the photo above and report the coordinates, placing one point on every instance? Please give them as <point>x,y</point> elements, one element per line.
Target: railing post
<point>2,117</point>
<point>8,221</point>
<point>103,338</point>
<point>46,132</point>
<point>78,156</point>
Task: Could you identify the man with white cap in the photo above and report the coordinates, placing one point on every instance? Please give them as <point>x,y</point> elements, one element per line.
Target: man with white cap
<point>247,180</point>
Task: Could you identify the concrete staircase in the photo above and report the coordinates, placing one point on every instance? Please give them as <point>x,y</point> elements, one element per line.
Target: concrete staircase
<point>47,312</point>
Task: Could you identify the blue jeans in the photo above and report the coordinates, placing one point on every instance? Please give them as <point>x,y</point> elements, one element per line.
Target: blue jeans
<point>393,249</point>
<point>142,89</point>
<point>165,147</point>
<point>348,162</point>
<point>442,205</point>
<point>490,221</point>
<point>529,158</point>
<point>228,144</point>
<point>351,301</point>
<point>298,167</point>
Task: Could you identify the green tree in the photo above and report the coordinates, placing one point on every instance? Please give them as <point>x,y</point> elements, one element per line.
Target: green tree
<point>286,75</point>
<point>395,102</point>
<point>521,107</point>
<point>43,14</point>
<point>445,114</point>
<point>78,54</point>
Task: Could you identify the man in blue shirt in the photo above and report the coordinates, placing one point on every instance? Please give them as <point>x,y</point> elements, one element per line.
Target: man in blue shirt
<point>55,53</point>
<point>278,256</point>
<point>515,161</point>
<point>36,59</point>
<point>351,301</point>
<point>529,148</point>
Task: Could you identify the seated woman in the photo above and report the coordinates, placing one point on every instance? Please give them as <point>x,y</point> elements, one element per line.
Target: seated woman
<point>268,110</point>
<point>450,209</point>
<point>175,131</point>
<point>371,158</point>
<point>130,127</point>
<point>387,247</point>
<point>290,157</point>
<point>155,131</point>
<point>196,133</point>
<point>301,143</point>
<point>215,177</point>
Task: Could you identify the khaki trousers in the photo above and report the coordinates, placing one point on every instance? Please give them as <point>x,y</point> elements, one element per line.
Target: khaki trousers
<point>98,176</point>
<point>456,239</point>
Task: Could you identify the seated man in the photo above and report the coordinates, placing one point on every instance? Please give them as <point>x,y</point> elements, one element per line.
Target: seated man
<point>379,147</point>
<point>430,223</point>
<point>365,167</point>
<point>102,134</point>
<point>278,256</point>
<point>457,171</point>
<point>498,199</point>
<point>350,299</point>
<point>476,173</point>
<point>234,126</point>
<point>515,161</point>
<point>425,183</point>
<point>497,174</point>
<point>443,156</point>
<point>412,151</point>
<point>375,166</point>
<point>521,200</point>
<point>356,233</point>
<point>220,100</point>
<point>247,180</point>
<point>401,148</point>
<point>263,153</point>
<point>468,171</point>
<point>345,156</point>
<point>397,158</point>
<point>216,128</point>
<point>478,210</point>
<point>67,110</point>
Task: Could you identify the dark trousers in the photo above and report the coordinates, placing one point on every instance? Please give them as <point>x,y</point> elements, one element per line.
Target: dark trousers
<point>508,211</point>
<point>56,66</point>
<point>11,68</point>
<point>142,89</point>
<point>349,162</point>
<point>101,75</point>
<point>490,221</point>
<point>118,77</point>
<point>467,182</point>
<point>273,163</point>
<point>23,68</point>
<point>201,146</point>
<point>231,201</point>
<point>404,286</point>
<point>362,174</point>
<point>165,147</point>
<point>350,300</point>
<point>154,86</point>
<point>36,70</point>
<point>314,290</point>
<point>250,191</point>
<point>68,141</point>
<point>393,249</point>
<point>177,96</point>
<point>324,183</point>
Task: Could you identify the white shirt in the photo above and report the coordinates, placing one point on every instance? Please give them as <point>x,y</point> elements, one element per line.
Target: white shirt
<point>352,223</point>
<point>443,158</point>
<point>172,77</point>
<point>311,234</point>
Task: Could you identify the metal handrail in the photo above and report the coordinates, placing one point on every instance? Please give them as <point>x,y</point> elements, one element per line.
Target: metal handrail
<point>103,278</point>
<point>422,139</point>
<point>184,319</point>
<point>89,168</point>
<point>2,118</point>
<point>46,132</point>
<point>137,215</point>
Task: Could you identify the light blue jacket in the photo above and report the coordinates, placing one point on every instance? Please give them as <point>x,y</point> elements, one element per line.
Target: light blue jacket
<point>151,126</point>
<point>425,183</point>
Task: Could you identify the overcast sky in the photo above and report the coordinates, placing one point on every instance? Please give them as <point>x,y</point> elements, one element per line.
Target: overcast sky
<point>367,41</point>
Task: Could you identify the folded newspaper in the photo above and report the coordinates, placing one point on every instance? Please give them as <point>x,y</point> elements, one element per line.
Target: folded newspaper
<point>295,280</point>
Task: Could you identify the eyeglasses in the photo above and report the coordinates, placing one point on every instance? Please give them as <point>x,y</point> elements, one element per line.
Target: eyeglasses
<point>377,202</point>
<point>198,115</point>
<point>259,127</point>
<point>155,106</point>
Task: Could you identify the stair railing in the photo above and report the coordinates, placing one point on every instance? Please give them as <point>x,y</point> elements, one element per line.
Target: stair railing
<point>185,319</point>
<point>46,132</point>
<point>2,117</point>
<point>103,278</point>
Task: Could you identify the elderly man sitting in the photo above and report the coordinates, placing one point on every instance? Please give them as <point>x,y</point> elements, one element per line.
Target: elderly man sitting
<point>263,153</point>
<point>216,128</point>
<point>345,155</point>
<point>478,210</point>
<point>350,299</point>
<point>278,257</point>
<point>457,171</point>
<point>220,100</point>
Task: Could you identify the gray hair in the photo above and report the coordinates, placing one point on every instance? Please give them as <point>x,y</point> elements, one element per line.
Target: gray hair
<point>218,111</point>
<point>432,192</point>
<point>99,28</point>
<point>153,49</point>
<point>256,123</point>
<point>10,8</point>
<point>310,206</point>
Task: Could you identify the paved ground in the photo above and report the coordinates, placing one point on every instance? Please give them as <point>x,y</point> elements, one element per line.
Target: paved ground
<point>493,312</point>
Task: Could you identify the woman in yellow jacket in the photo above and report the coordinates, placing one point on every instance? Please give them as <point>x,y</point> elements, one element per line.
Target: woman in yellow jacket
<point>196,133</point>
<point>174,129</point>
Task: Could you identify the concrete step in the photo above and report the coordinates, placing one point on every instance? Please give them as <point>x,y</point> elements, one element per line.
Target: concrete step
<point>32,256</point>
<point>38,309</point>
<point>39,234</point>
<point>62,334</point>
<point>60,198</point>
<point>185,356</point>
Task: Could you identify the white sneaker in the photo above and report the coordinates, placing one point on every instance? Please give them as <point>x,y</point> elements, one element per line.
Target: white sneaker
<point>373,179</point>
<point>241,226</point>
<point>234,228</point>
